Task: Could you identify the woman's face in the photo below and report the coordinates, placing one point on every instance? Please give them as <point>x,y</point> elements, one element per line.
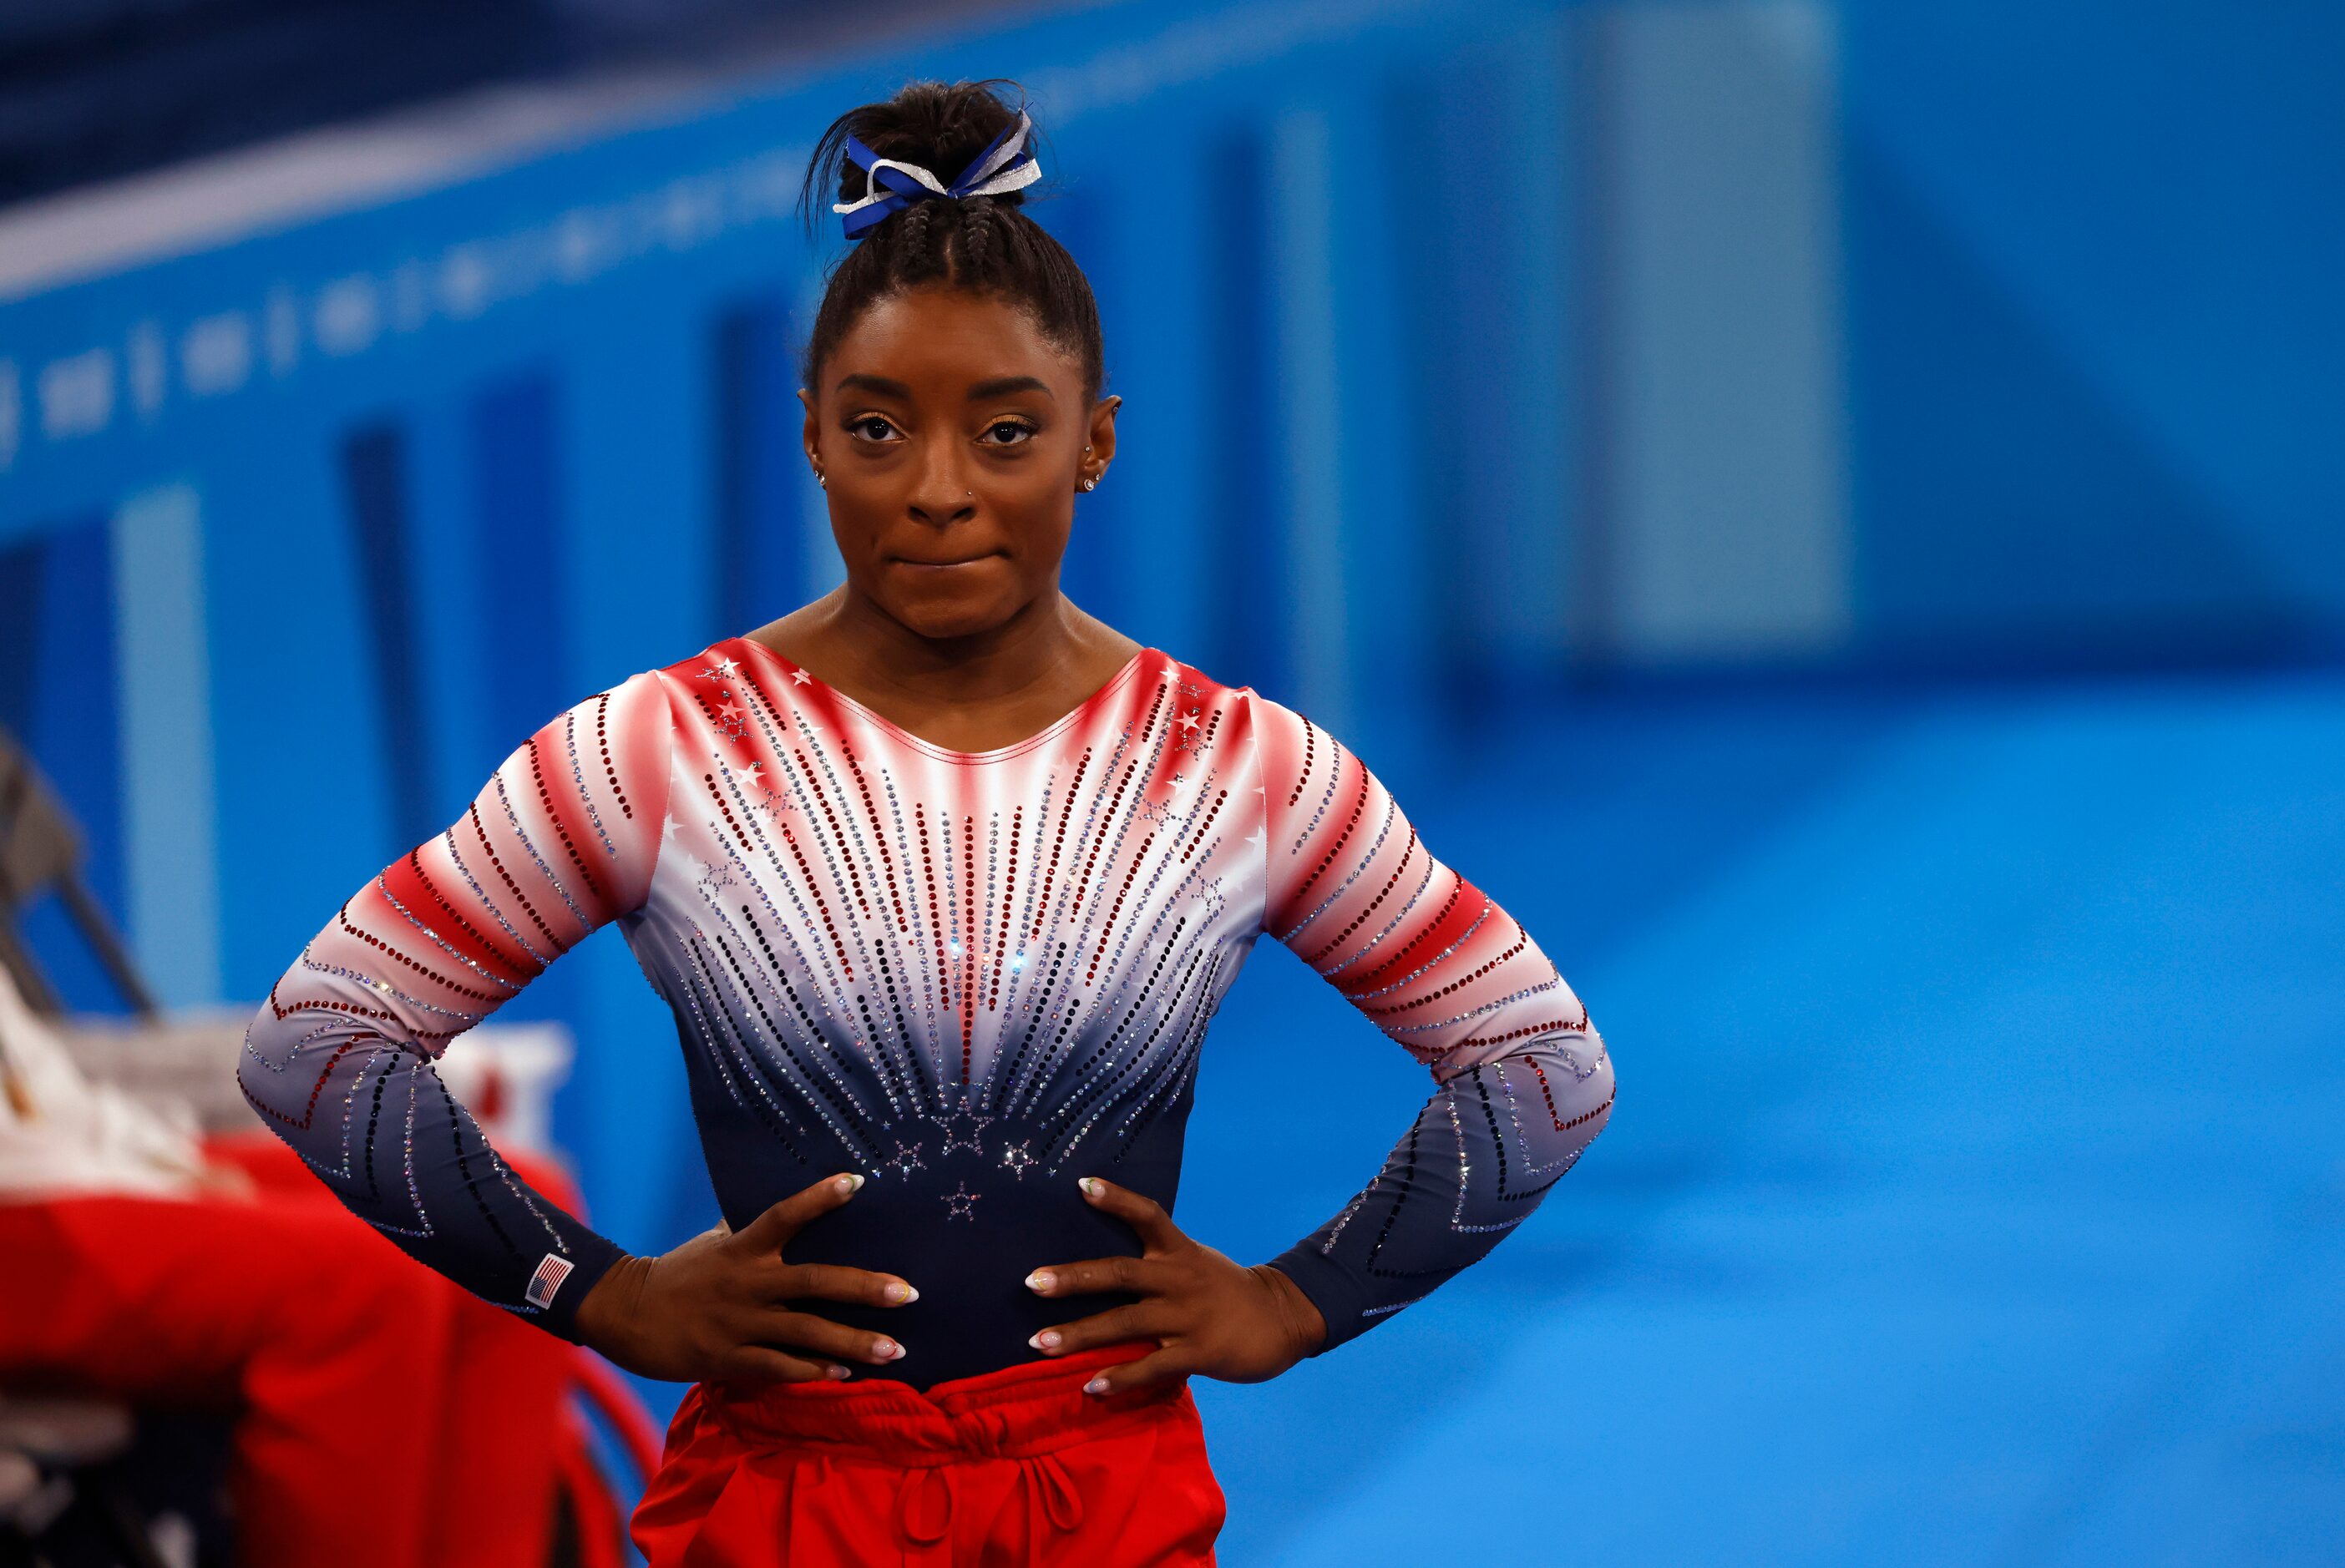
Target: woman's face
<point>951,437</point>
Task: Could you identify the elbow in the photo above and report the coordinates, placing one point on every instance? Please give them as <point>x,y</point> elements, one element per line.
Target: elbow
<point>254,1057</point>
<point>1593,1094</point>
<point>1604,1091</point>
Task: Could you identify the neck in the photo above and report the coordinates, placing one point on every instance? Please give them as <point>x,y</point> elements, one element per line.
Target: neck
<point>861,647</point>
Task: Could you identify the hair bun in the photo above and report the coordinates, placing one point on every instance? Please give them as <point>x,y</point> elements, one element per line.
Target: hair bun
<point>929,191</point>
<point>942,126</point>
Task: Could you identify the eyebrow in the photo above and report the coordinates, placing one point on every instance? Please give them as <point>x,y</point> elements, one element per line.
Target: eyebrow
<point>1000,386</point>
<point>878,385</point>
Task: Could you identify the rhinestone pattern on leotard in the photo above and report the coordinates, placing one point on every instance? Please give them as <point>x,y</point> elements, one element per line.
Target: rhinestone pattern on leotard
<point>972,978</point>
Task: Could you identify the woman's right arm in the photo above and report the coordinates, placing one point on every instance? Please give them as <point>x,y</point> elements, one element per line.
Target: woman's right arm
<point>562,839</point>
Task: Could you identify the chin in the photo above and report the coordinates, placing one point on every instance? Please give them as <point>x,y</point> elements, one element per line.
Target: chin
<point>980,601</point>
<point>944,617</point>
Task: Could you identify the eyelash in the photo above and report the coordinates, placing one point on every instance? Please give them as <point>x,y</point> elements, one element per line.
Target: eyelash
<point>858,427</point>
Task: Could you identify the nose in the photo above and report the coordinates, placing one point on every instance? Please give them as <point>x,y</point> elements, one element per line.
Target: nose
<point>941,494</point>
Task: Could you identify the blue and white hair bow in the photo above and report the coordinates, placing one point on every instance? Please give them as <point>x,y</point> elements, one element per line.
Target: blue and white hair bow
<point>1004,166</point>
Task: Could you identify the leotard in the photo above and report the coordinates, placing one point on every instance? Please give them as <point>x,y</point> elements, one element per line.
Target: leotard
<point>971,977</point>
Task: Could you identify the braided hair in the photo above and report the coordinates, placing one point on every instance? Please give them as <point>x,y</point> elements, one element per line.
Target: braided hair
<point>980,242</point>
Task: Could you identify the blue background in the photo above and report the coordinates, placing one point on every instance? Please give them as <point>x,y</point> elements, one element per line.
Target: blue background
<point>1830,513</point>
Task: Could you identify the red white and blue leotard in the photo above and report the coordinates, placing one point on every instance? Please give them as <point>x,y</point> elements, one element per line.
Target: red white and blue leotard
<point>972,976</point>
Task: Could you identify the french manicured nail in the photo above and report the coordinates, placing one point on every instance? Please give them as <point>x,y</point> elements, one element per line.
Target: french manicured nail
<point>1091,1186</point>
<point>1096,1386</point>
<point>849,1182</point>
<point>1048,1340</point>
<point>898,1292</point>
<point>1041,1279</point>
<point>888,1350</point>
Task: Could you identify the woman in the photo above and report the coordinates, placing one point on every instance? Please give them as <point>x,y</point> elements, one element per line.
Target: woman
<point>943,879</point>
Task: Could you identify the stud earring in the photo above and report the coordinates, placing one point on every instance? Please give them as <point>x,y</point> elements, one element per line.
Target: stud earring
<point>1091,481</point>
<point>819,480</point>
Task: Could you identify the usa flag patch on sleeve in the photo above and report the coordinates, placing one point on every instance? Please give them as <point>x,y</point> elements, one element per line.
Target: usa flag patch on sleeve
<point>547,1281</point>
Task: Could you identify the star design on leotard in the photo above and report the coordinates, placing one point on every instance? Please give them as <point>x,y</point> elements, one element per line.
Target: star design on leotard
<point>1255,838</point>
<point>668,826</point>
<point>961,1203</point>
<point>722,670</point>
<point>1211,897</point>
<point>1017,1158</point>
<point>800,677</point>
<point>961,1127</point>
<point>1189,721</point>
<point>905,1160</point>
<point>1154,812</point>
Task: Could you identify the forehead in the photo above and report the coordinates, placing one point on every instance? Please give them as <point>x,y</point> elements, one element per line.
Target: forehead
<point>947,337</point>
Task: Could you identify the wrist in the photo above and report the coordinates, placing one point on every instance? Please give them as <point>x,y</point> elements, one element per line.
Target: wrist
<point>606,1315</point>
<point>1305,1328</point>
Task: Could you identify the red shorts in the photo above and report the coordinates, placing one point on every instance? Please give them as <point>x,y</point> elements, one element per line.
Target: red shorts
<point>1016,1466</point>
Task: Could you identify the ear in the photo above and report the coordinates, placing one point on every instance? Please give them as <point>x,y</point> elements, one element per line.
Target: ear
<point>813,431</point>
<point>1100,437</point>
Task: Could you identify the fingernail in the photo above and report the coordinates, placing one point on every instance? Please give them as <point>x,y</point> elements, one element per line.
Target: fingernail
<point>1041,1279</point>
<point>1096,1386</point>
<point>835,1373</point>
<point>899,1293</point>
<point>1091,1186</point>
<point>849,1182</point>
<point>1048,1340</point>
<point>887,1349</point>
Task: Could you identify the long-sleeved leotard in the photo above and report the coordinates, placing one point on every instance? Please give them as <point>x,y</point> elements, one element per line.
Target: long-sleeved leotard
<point>971,977</point>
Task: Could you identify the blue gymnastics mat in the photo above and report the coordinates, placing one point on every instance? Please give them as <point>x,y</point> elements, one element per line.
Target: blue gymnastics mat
<point>1976,1193</point>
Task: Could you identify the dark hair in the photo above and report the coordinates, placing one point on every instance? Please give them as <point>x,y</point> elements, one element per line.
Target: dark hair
<point>981,242</point>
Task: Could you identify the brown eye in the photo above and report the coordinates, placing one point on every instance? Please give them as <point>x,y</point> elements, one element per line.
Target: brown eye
<point>1008,432</point>
<point>871,427</point>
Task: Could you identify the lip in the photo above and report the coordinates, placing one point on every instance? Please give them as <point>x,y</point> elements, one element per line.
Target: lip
<point>941,565</point>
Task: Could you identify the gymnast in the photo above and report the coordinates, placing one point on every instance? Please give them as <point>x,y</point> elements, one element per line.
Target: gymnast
<point>943,879</point>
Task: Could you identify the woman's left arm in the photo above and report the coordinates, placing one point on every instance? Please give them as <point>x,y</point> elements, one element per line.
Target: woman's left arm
<point>1522,1081</point>
<point>1522,1085</point>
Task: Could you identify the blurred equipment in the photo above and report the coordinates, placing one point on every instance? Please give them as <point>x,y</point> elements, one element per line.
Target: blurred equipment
<point>40,853</point>
<point>117,1105</point>
<point>90,89</point>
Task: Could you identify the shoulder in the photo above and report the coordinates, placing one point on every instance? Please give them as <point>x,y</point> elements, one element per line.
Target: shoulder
<point>1289,744</point>
<point>1197,690</point>
<point>631,726</point>
<point>656,696</point>
<point>719,661</point>
<point>1211,714</point>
